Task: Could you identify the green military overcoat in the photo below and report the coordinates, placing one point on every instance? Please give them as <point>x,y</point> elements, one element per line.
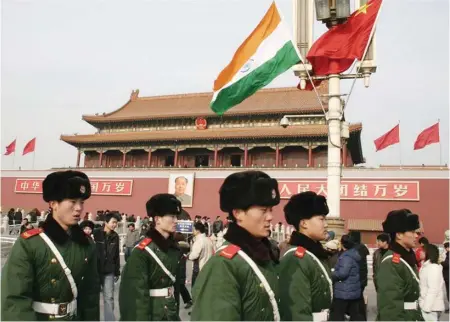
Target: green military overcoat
<point>305,286</point>
<point>32,273</point>
<point>397,284</point>
<point>227,289</point>
<point>141,274</point>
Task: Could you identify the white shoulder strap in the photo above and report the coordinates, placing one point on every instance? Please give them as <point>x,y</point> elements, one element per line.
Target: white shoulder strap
<point>266,285</point>
<point>156,258</point>
<point>61,261</point>
<point>325,272</point>
<point>407,265</point>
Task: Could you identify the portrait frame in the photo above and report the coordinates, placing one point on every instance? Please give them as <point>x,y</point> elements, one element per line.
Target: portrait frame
<point>187,199</point>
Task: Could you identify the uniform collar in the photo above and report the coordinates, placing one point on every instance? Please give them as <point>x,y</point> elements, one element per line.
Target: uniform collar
<point>408,256</point>
<point>259,250</point>
<point>162,243</point>
<point>60,236</point>
<point>315,247</point>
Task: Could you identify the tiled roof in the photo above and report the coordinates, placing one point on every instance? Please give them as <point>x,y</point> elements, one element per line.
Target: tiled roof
<point>272,100</point>
<point>215,134</point>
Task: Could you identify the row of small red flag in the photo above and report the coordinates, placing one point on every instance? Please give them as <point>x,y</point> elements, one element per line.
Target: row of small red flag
<point>428,136</point>
<point>29,147</point>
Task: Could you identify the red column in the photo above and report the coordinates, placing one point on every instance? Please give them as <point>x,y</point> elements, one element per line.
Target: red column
<point>124,158</point>
<point>175,161</point>
<point>344,155</point>
<point>78,158</point>
<point>149,158</point>
<point>100,159</point>
<point>310,158</point>
<point>277,156</point>
<point>245,156</point>
<point>215,157</point>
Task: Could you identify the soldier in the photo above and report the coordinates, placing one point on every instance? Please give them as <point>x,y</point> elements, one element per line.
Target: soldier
<point>305,277</point>
<point>51,273</point>
<point>147,288</point>
<point>397,279</point>
<point>240,283</point>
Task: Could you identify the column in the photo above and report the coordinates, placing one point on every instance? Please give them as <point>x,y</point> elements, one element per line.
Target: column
<point>175,161</point>
<point>245,156</point>
<point>149,158</point>
<point>215,157</point>
<point>78,158</point>
<point>100,158</point>
<point>344,154</point>
<point>277,156</point>
<point>124,158</point>
<point>310,158</point>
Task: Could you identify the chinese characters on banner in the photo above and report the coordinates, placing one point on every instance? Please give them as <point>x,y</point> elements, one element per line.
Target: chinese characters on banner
<point>355,190</point>
<point>98,187</point>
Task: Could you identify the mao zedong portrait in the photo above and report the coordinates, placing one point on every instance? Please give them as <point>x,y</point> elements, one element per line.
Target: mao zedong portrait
<point>180,191</point>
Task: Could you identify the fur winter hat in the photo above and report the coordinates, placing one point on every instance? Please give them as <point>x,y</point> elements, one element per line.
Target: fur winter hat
<point>304,205</point>
<point>241,190</point>
<point>61,185</point>
<point>400,221</point>
<point>163,204</point>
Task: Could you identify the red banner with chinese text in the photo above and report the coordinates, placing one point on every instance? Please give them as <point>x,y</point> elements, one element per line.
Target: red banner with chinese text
<point>355,190</point>
<point>98,187</point>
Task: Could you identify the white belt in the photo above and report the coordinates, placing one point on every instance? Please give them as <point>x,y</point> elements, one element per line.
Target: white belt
<point>410,305</point>
<point>162,292</point>
<point>320,316</point>
<point>58,310</point>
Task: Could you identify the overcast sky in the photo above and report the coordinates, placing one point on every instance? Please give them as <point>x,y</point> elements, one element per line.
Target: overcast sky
<point>62,59</point>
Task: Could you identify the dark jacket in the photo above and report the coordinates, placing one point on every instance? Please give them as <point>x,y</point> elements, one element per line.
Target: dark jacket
<point>217,226</point>
<point>347,284</point>
<point>445,267</point>
<point>107,252</point>
<point>363,253</point>
<point>377,256</point>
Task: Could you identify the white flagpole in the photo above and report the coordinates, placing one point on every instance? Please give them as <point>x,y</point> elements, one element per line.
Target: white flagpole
<point>34,154</point>
<point>440,144</point>
<point>400,144</point>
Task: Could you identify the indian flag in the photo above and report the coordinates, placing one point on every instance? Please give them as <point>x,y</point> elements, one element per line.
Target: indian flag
<point>268,52</point>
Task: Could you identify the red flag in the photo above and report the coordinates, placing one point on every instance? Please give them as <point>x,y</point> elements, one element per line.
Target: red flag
<point>309,86</point>
<point>11,148</point>
<point>427,136</point>
<point>335,51</point>
<point>29,147</point>
<point>390,138</point>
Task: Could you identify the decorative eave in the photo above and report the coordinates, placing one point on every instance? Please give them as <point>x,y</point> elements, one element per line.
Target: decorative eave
<point>219,134</point>
<point>181,106</point>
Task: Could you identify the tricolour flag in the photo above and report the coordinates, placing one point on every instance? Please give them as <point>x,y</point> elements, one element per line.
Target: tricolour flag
<point>268,52</point>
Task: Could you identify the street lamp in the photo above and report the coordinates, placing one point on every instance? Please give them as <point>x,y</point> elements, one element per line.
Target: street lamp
<point>331,13</point>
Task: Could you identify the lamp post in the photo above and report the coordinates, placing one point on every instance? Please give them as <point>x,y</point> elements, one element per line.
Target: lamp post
<point>331,13</point>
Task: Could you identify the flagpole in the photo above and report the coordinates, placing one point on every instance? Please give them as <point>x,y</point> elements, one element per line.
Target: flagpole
<point>400,144</point>
<point>440,144</point>
<point>14,157</point>
<point>34,154</point>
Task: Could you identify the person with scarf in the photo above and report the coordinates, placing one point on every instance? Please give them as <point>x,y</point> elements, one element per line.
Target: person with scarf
<point>51,272</point>
<point>240,282</point>
<point>147,289</point>
<point>305,277</point>
<point>397,277</point>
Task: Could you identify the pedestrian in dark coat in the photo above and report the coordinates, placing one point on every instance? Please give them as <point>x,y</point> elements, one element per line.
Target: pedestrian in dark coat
<point>445,270</point>
<point>347,286</point>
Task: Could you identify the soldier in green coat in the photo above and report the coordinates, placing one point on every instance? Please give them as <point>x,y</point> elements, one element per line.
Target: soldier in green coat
<point>51,273</point>
<point>148,280</point>
<point>305,278</point>
<point>240,283</point>
<point>397,278</point>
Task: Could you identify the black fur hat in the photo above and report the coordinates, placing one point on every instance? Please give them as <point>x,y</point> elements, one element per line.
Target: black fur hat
<point>304,205</point>
<point>87,223</point>
<point>66,185</point>
<point>400,221</point>
<point>163,204</point>
<point>241,190</point>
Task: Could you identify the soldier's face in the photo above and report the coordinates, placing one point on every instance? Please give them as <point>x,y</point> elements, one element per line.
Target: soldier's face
<point>315,227</point>
<point>256,220</point>
<point>167,223</point>
<point>67,212</point>
<point>408,239</point>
